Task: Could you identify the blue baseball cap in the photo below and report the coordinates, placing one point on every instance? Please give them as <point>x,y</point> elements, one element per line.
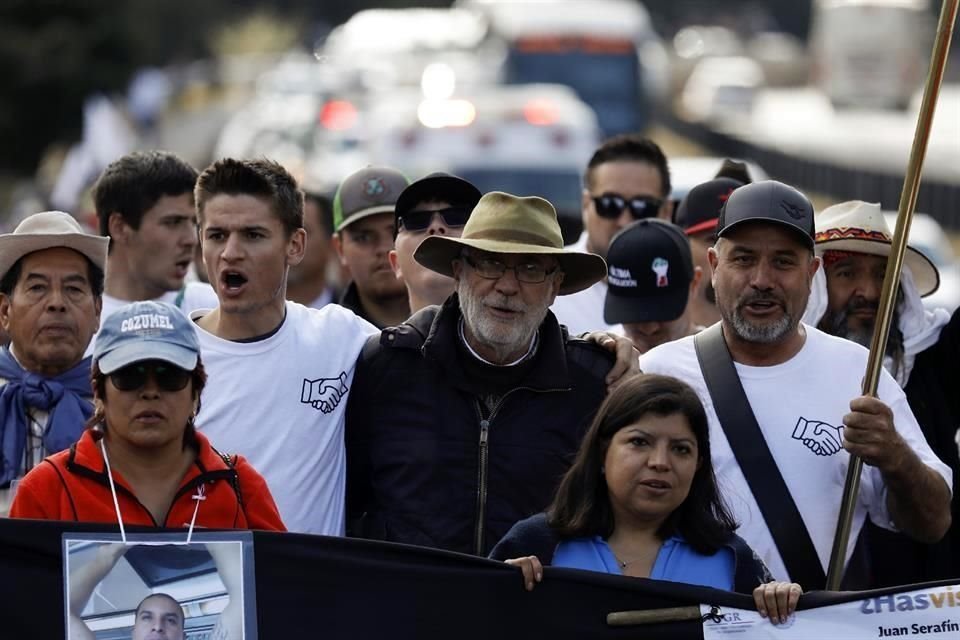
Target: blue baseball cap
<point>146,330</point>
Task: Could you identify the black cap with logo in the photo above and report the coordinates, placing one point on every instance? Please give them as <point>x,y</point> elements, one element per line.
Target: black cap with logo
<point>649,271</point>
<point>769,201</point>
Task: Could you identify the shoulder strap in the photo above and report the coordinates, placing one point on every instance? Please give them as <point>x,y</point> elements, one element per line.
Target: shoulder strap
<point>231,462</point>
<point>752,454</point>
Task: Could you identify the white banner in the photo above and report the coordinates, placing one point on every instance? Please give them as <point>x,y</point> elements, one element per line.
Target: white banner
<point>930,613</point>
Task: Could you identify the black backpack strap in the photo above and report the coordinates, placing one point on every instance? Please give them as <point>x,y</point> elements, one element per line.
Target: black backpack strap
<point>753,456</point>
<point>231,462</point>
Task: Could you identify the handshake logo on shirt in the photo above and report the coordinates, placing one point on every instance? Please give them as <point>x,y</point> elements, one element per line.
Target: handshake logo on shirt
<point>821,438</point>
<point>324,394</point>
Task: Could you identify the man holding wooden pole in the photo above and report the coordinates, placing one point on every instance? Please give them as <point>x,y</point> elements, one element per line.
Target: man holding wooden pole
<point>785,404</point>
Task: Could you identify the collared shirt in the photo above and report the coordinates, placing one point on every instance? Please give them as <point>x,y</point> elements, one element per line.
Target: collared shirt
<point>33,450</point>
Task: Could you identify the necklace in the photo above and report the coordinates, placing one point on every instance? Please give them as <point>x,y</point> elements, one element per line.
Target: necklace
<point>624,563</point>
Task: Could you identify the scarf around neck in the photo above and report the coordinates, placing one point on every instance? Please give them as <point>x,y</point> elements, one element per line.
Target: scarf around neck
<point>66,398</point>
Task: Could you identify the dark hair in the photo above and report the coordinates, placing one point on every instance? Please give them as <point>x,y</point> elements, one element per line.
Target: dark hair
<point>134,183</point>
<point>169,597</point>
<point>582,506</point>
<point>630,147</point>
<point>10,279</point>
<point>324,207</point>
<point>98,381</point>
<point>261,178</point>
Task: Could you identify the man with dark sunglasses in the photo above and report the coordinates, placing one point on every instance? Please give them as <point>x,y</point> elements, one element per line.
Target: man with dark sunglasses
<point>437,205</point>
<point>627,179</point>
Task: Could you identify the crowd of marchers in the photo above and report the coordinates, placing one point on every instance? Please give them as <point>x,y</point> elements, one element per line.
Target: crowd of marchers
<point>476,386</point>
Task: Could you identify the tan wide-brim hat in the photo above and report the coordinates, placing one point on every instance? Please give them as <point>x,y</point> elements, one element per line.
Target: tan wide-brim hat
<point>503,223</point>
<point>859,227</point>
<point>48,230</point>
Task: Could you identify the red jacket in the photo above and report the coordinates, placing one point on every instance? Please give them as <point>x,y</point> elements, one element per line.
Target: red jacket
<point>73,485</point>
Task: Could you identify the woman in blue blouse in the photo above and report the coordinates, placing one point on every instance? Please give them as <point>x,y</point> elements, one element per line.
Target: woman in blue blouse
<point>641,500</point>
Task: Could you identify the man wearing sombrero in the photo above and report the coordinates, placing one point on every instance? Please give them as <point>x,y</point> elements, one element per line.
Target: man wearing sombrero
<point>462,419</point>
<point>854,242</point>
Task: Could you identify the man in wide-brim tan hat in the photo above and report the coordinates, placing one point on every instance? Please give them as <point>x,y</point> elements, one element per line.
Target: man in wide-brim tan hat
<point>502,223</point>
<point>461,419</point>
<point>854,242</point>
<point>51,286</point>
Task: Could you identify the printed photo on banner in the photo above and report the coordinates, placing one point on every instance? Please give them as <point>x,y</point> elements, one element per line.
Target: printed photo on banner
<point>152,586</point>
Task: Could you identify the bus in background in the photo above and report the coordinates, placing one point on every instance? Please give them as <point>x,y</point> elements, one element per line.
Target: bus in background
<point>606,50</point>
<point>870,53</point>
<point>523,139</point>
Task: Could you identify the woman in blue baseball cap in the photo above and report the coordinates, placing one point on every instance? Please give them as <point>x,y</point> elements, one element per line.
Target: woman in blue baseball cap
<point>141,461</point>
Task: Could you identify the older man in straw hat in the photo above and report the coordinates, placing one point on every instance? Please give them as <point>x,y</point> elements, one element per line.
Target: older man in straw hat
<point>50,300</point>
<point>854,242</point>
<point>462,420</point>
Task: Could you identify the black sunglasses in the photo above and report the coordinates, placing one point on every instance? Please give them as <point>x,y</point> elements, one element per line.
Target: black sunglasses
<point>611,205</point>
<point>134,376</point>
<point>418,220</point>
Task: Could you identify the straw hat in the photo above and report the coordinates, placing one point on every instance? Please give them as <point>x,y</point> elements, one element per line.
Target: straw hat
<point>503,223</point>
<point>860,227</point>
<point>47,230</point>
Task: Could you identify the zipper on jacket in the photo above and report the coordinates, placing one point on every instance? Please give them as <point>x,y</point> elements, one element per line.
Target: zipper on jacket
<point>482,485</point>
<point>202,478</point>
<point>483,462</point>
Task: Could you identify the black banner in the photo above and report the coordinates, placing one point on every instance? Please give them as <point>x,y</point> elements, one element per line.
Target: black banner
<point>331,588</point>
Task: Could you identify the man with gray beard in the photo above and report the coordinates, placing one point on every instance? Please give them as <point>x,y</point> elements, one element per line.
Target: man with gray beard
<point>462,420</point>
<point>803,388</point>
<point>854,242</point>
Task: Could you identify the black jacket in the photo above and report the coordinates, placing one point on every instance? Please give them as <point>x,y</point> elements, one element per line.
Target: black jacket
<point>933,392</point>
<point>425,467</point>
<point>534,537</point>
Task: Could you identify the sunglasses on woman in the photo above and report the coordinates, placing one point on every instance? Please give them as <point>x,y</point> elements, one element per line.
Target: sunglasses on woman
<point>418,220</point>
<point>134,376</point>
<point>611,205</point>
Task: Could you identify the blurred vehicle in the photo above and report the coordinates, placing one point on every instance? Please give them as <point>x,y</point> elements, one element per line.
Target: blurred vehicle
<point>697,42</point>
<point>721,91</point>
<point>929,238</point>
<point>379,49</point>
<point>523,139</point>
<point>870,53</point>
<point>606,50</point>
<point>280,119</point>
<point>782,56</point>
<point>686,172</point>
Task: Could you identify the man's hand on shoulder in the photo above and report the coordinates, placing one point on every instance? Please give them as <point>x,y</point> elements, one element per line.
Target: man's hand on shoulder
<point>628,358</point>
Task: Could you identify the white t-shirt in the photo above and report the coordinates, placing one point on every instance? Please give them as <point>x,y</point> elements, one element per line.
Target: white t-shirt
<point>796,404</point>
<point>583,311</point>
<point>281,403</point>
<point>195,295</point>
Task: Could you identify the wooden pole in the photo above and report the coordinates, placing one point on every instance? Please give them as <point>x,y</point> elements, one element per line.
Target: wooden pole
<point>878,345</point>
<point>652,616</point>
